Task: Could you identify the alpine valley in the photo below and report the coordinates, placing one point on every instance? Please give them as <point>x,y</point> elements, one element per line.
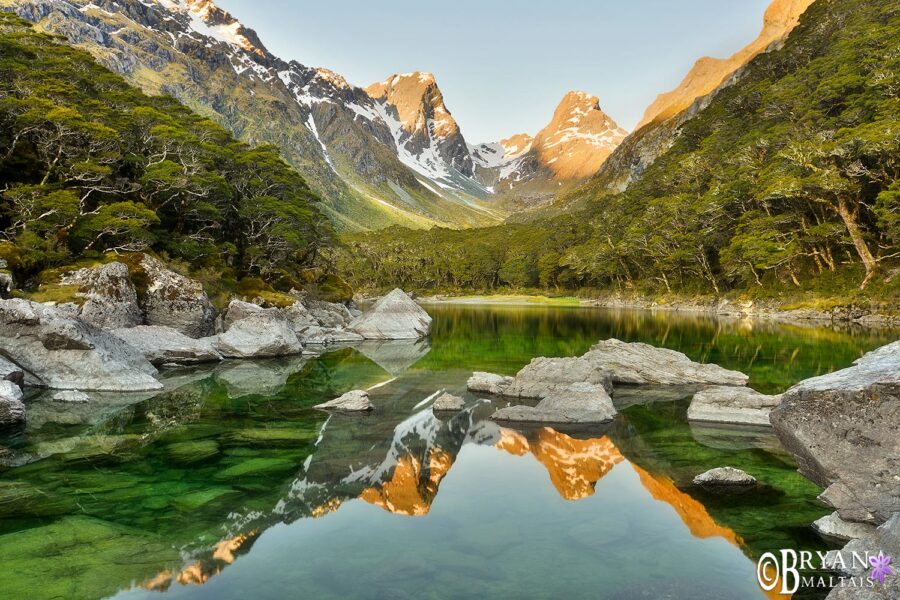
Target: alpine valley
<point>390,153</point>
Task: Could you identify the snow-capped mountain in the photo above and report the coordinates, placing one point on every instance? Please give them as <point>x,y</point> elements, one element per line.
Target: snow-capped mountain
<point>572,147</point>
<point>390,153</point>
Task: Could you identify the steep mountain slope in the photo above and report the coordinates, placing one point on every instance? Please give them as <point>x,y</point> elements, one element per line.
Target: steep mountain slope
<point>569,149</point>
<point>662,121</point>
<point>785,182</point>
<point>709,73</point>
<point>92,165</point>
<point>335,134</point>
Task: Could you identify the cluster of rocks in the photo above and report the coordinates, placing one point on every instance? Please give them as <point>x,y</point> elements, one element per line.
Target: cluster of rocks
<point>577,390</point>
<point>117,338</point>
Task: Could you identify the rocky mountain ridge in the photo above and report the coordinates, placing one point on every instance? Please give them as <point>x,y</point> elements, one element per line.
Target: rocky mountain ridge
<point>391,153</point>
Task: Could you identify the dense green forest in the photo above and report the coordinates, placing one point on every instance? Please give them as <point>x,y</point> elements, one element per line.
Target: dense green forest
<point>90,166</point>
<point>789,180</point>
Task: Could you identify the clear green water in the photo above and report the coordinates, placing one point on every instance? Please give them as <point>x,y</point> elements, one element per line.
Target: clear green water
<point>228,485</point>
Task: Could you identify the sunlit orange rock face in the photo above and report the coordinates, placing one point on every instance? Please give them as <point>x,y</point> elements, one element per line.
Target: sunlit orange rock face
<point>418,100</point>
<point>411,488</point>
<point>709,73</point>
<point>575,466</point>
<point>578,139</point>
<point>692,513</point>
<point>225,550</point>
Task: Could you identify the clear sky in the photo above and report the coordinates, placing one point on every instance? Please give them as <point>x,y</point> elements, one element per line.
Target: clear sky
<point>504,65</point>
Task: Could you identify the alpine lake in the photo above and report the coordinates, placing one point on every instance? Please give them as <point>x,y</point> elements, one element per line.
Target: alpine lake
<point>229,485</point>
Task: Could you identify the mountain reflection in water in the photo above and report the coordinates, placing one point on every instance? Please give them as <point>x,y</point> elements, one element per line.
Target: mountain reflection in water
<point>227,484</point>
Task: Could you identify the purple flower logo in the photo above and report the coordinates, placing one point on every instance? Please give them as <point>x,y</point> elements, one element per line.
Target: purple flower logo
<point>880,567</point>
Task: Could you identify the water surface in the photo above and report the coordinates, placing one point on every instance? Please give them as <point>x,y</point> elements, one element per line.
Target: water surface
<point>228,485</point>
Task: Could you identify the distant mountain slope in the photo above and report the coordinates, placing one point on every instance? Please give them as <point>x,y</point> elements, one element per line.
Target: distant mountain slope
<point>335,134</point>
<point>709,73</point>
<point>786,182</point>
<point>388,154</point>
<point>568,150</point>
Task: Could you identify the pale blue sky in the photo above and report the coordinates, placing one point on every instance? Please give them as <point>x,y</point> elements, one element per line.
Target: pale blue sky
<point>504,65</point>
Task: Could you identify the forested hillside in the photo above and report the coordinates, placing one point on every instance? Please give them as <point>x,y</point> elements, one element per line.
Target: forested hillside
<point>788,180</point>
<point>90,165</point>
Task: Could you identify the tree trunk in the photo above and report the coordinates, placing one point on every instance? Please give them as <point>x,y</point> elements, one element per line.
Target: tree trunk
<point>852,224</point>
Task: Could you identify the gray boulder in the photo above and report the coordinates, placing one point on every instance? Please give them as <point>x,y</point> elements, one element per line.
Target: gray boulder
<point>329,314</point>
<point>642,364</point>
<point>175,301</point>
<point>488,383</point>
<point>255,332</point>
<point>395,316</point>
<point>448,402</point>
<point>886,540</point>
<point>545,376</point>
<point>724,477</point>
<point>10,371</point>
<point>732,404</point>
<point>833,528</point>
<point>842,430</point>
<point>12,409</point>
<point>299,317</point>
<point>65,352</point>
<point>110,300</point>
<point>353,401</point>
<point>72,396</point>
<point>584,407</point>
<point>163,345</point>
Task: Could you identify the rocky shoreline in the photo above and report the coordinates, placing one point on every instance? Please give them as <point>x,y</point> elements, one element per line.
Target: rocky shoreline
<point>721,307</point>
<point>132,321</point>
<point>773,311</point>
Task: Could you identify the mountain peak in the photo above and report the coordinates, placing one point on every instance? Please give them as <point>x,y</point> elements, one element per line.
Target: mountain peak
<point>578,138</point>
<point>419,102</point>
<point>208,19</point>
<point>708,73</point>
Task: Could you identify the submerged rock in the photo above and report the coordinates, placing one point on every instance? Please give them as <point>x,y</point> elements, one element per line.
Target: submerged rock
<point>163,345</point>
<point>10,371</point>
<point>488,383</point>
<point>12,409</point>
<point>724,477</point>
<point>73,396</point>
<point>356,400</point>
<point>834,529</point>
<point>255,332</point>
<point>396,316</point>
<point>175,301</point>
<point>842,429</point>
<point>110,298</point>
<point>448,402</point>
<point>65,352</point>
<point>587,407</point>
<point>732,404</point>
<point>642,364</point>
<point>545,376</point>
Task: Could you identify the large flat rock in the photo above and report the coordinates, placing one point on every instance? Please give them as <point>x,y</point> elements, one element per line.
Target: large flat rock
<point>163,345</point>
<point>566,406</point>
<point>545,376</point>
<point>732,404</point>
<point>642,364</point>
<point>842,430</point>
